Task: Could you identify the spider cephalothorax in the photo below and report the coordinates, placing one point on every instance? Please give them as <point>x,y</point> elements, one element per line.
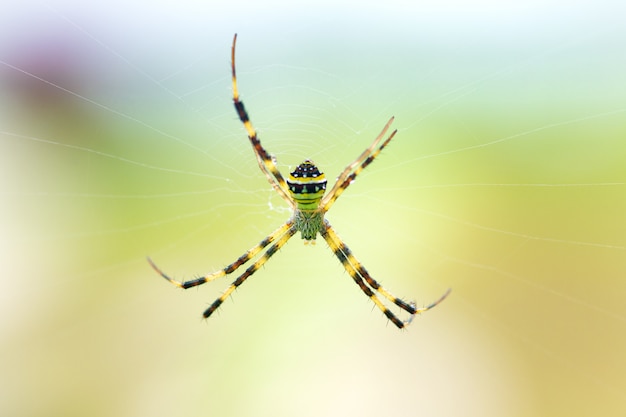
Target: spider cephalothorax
<point>305,192</point>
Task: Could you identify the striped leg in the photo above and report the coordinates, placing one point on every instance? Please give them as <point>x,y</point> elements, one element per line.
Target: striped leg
<point>265,160</point>
<point>358,273</point>
<point>230,268</point>
<point>348,175</point>
<point>251,270</point>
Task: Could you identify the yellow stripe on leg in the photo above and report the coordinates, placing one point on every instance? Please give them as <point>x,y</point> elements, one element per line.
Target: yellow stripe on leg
<point>341,251</point>
<point>251,270</point>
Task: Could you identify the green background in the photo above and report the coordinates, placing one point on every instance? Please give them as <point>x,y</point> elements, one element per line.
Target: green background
<point>506,182</point>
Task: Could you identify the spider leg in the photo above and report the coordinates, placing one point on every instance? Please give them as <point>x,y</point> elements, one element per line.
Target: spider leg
<point>251,253</point>
<point>359,273</point>
<point>348,175</point>
<point>251,270</point>
<point>264,159</point>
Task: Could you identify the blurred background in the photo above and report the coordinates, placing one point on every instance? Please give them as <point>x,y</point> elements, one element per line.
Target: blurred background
<point>506,182</point>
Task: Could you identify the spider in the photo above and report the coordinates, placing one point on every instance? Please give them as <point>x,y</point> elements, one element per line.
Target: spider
<point>304,191</point>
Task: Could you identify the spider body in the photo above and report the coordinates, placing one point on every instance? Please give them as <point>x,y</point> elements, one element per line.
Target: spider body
<point>307,185</point>
<point>305,192</point>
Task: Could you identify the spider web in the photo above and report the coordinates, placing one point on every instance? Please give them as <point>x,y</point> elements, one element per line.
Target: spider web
<point>506,182</point>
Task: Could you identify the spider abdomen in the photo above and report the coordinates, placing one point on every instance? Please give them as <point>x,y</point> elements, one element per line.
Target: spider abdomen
<point>307,185</point>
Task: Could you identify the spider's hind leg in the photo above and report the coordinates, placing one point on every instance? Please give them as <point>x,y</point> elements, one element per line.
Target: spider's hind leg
<point>266,162</point>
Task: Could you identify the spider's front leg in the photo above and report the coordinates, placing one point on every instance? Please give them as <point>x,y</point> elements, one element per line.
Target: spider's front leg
<point>360,275</point>
<point>251,270</point>
<point>249,254</point>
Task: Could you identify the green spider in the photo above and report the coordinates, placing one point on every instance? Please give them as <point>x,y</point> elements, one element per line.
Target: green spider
<point>305,192</point>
